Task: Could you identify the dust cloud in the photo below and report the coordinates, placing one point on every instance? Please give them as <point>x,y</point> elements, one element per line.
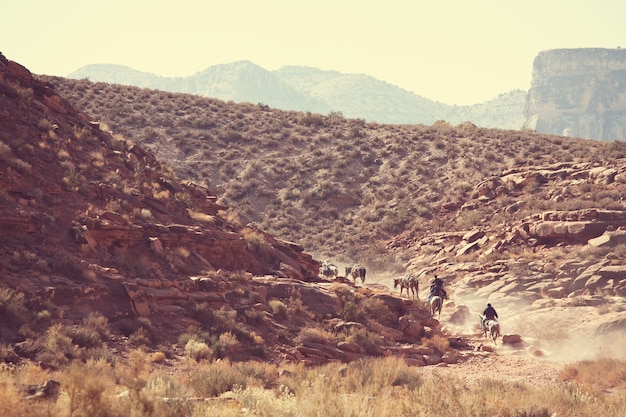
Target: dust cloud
<point>553,330</point>
<point>550,329</point>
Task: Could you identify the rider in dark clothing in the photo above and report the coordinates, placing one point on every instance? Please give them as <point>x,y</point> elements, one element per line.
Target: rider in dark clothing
<point>436,288</point>
<point>490,313</point>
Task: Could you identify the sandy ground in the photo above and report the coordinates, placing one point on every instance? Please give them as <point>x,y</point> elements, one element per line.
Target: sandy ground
<point>504,364</point>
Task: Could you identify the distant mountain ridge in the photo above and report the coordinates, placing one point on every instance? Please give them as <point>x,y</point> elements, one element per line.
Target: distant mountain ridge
<point>318,91</point>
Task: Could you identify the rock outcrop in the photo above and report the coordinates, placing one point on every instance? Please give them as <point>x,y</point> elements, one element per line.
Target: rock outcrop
<point>579,93</point>
<point>106,228</point>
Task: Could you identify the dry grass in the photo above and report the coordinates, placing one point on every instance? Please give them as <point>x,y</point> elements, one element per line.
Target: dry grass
<point>383,386</point>
<point>596,375</point>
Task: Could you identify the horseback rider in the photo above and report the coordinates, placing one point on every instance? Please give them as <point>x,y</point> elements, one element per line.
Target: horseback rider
<point>436,289</point>
<point>489,313</point>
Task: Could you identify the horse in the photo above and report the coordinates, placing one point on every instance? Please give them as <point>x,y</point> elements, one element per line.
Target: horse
<point>356,271</point>
<point>407,282</point>
<point>402,283</point>
<point>490,327</point>
<point>329,270</point>
<point>414,285</point>
<point>436,303</point>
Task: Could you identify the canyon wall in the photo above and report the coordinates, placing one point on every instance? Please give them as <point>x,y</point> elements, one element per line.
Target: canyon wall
<point>579,93</point>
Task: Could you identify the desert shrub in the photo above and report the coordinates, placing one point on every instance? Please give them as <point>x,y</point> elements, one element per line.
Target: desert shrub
<point>92,332</point>
<point>24,258</point>
<point>262,371</point>
<point>14,311</point>
<point>202,217</point>
<point>316,335</point>
<point>141,337</point>
<point>84,336</point>
<point>352,310</point>
<point>224,344</point>
<point>193,333</point>
<point>254,316</point>
<point>23,167</point>
<point>219,322</point>
<point>198,350</point>
<point>231,136</point>
<point>370,375</point>
<point>620,250</point>
<point>255,242</point>
<point>532,412</point>
<point>597,375</point>
<point>311,119</point>
<point>6,154</point>
<point>213,379</point>
<point>592,252</point>
<point>202,312</point>
<point>462,186</point>
<point>540,332</point>
<point>8,355</point>
<point>92,390</point>
<point>181,252</point>
<point>438,342</point>
<point>68,266</point>
<point>377,310</point>
<point>470,218</point>
<point>296,306</point>
<point>142,213</point>
<point>98,354</point>
<point>139,330</point>
<point>369,341</point>
<point>56,347</point>
<point>127,326</point>
<point>223,321</point>
<point>278,308</point>
<point>12,404</point>
<point>165,385</point>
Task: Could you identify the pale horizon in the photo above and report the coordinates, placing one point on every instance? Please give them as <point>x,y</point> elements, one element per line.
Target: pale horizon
<point>454,52</point>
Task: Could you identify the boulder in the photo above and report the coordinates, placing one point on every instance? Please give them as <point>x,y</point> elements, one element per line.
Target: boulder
<point>411,328</point>
<point>511,338</point>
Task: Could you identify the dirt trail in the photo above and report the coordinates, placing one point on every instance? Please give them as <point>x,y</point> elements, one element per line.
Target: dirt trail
<point>502,367</point>
<point>534,360</point>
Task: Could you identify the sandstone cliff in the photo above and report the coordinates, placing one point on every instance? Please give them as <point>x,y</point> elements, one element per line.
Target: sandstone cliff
<point>579,93</point>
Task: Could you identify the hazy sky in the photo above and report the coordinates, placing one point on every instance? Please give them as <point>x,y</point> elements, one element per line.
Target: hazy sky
<point>453,51</point>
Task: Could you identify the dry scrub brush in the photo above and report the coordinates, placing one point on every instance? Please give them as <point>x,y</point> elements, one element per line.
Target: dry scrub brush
<point>375,387</point>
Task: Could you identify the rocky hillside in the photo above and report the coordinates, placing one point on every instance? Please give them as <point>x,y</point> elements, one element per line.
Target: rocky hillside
<point>527,218</point>
<point>94,222</point>
<point>96,230</point>
<point>318,91</point>
<point>341,187</point>
<point>579,93</point>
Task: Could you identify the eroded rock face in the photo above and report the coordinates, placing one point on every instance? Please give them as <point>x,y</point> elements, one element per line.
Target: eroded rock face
<point>579,93</point>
